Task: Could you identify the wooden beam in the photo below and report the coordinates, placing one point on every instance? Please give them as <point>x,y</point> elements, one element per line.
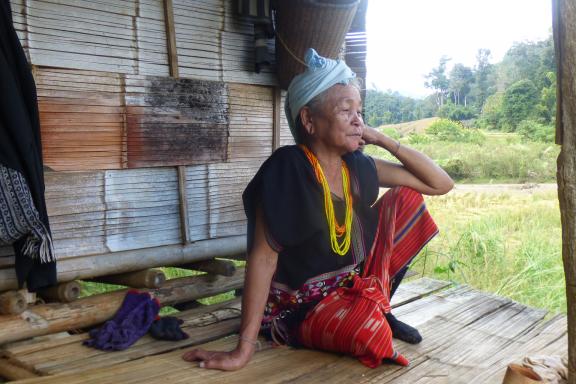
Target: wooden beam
<point>278,110</point>
<point>184,222</point>
<point>51,318</point>
<point>564,15</point>
<point>147,278</point>
<point>171,38</point>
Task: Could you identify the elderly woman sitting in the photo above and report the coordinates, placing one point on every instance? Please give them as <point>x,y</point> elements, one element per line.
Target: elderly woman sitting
<point>314,220</point>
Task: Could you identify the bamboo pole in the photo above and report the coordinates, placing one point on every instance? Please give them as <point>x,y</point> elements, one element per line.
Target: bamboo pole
<point>564,22</point>
<point>80,268</point>
<point>51,318</point>
<point>64,292</point>
<point>148,278</point>
<point>215,267</point>
<point>12,303</point>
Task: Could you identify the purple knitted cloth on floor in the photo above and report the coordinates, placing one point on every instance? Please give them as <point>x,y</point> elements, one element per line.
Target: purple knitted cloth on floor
<point>130,323</point>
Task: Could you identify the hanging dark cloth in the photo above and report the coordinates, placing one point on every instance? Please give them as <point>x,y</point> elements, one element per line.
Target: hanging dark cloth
<point>21,162</point>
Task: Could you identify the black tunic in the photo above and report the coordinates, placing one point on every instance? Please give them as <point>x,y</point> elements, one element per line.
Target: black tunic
<point>292,204</point>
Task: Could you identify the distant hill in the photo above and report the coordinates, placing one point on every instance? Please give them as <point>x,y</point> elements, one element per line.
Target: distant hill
<point>417,126</point>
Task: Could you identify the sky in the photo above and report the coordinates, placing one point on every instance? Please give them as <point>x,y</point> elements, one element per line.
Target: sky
<point>407,38</point>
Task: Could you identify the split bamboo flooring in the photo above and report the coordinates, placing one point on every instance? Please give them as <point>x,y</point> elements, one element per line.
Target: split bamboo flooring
<point>469,337</point>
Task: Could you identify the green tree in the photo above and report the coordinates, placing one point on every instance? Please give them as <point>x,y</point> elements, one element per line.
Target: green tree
<point>460,83</point>
<point>483,85</point>
<point>519,102</point>
<point>438,81</point>
<point>492,115</point>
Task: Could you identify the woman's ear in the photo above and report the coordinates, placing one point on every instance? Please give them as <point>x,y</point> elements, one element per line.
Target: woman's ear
<point>306,119</point>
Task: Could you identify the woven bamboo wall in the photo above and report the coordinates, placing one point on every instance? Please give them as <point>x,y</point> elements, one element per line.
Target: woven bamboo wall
<point>117,129</point>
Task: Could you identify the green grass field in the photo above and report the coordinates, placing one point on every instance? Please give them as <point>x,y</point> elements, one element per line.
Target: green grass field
<point>505,243</point>
<point>501,158</point>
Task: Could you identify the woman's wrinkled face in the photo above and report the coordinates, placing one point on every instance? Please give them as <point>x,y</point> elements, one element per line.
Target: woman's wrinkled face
<point>338,122</point>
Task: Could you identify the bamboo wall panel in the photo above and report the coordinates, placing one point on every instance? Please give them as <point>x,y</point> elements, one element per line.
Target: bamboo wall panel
<point>75,203</point>
<point>251,120</point>
<point>124,36</point>
<point>213,44</point>
<point>198,202</point>
<point>226,182</point>
<point>142,208</point>
<point>238,50</point>
<point>175,121</point>
<point>285,133</point>
<point>198,25</point>
<point>81,117</point>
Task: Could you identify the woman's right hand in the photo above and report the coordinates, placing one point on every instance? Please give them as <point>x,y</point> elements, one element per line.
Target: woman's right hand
<point>225,361</point>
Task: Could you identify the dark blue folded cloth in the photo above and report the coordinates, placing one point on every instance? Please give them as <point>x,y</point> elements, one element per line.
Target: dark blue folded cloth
<point>130,323</point>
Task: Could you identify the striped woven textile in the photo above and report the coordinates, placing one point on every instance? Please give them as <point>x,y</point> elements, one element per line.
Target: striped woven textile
<point>19,217</point>
<point>351,320</point>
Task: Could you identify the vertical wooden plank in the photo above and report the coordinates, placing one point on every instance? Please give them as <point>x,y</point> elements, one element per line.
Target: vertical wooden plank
<point>277,118</point>
<point>558,53</point>
<point>565,38</point>
<point>171,38</point>
<point>184,227</point>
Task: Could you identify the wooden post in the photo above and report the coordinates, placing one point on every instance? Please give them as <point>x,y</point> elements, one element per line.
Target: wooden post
<point>564,22</point>
<point>215,267</point>
<point>12,303</point>
<point>65,292</point>
<point>148,278</point>
<point>184,222</point>
<point>277,118</point>
<point>171,38</point>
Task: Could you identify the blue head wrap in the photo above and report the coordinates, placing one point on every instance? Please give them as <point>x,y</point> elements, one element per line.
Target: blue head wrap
<point>321,74</point>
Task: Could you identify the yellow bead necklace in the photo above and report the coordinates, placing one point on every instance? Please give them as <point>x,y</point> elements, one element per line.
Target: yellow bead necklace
<point>336,231</point>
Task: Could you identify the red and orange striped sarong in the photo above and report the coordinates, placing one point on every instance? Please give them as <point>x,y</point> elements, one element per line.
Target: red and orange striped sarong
<point>351,320</point>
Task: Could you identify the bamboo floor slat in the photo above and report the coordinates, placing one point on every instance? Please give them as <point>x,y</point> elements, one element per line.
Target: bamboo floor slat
<point>469,337</point>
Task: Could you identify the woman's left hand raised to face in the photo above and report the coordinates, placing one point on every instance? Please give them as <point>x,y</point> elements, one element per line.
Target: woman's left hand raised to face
<point>369,135</point>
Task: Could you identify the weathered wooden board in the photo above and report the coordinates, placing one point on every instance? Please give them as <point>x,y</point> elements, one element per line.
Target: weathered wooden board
<point>81,117</point>
<point>175,121</point>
